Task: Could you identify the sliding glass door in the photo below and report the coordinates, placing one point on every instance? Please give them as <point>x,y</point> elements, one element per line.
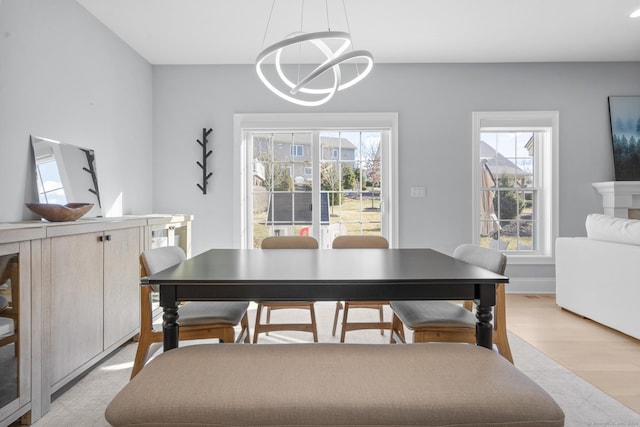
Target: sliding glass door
<point>323,183</point>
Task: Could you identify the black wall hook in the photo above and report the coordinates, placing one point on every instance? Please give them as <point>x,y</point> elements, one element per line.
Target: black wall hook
<point>91,161</point>
<point>205,155</point>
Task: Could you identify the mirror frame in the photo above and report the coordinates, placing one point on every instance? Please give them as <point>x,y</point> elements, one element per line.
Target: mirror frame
<point>77,172</point>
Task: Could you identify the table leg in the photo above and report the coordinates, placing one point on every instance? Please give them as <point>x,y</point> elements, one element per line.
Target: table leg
<point>484,328</point>
<point>170,326</point>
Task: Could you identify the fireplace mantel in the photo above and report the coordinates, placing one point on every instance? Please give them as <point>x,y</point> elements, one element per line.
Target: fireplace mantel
<point>620,198</point>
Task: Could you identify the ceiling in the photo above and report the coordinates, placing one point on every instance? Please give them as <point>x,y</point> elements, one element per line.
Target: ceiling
<point>394,31</point>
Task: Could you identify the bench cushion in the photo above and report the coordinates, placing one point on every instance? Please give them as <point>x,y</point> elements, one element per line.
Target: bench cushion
<point>433,384</point>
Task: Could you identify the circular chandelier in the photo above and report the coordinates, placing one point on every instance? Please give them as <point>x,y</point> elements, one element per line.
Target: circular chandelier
<point>303,91</point>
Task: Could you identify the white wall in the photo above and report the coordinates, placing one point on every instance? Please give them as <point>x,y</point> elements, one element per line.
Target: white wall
<point>434,102</point>
<point>66,77</point>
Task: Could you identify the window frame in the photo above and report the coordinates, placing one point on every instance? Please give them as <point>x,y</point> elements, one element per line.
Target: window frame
<point>244,123</point>
<point>295,148</point>
<point>546,164</point>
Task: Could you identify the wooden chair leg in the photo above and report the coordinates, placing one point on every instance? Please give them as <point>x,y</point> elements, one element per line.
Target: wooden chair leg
<point>268,319</point>
<point>335,318</point>
<point>256,328</point>
<point>397,330</point>
<point>501,341</point>
<point>500,338</point>
<point>345,315</point>
<point>314,326</point>
<point>228,335</point>
<point>141,355</point>
<point>381,319</point>
<point>268,326</point>
<point>244,330</point>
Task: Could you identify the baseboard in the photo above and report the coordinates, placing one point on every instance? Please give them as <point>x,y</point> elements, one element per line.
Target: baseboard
<point>531,285</point>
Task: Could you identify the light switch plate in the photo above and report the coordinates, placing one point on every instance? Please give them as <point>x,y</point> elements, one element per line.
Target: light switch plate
<point>417,192</point>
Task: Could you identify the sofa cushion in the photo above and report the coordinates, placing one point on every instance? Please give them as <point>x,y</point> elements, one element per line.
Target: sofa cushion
<point>613,229</point>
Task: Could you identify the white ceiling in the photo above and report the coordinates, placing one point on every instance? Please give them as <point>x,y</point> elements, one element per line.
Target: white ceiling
<point>394,31</point>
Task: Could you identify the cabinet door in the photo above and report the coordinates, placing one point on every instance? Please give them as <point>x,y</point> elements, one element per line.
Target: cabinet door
<point>15,328</point>
<point>76,302</point>
<point>121,284</point>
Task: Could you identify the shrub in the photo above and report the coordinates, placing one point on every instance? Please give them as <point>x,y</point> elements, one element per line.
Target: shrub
<point>510,202</point>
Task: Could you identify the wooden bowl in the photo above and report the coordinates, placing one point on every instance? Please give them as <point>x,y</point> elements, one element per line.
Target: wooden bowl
<point>59,213</point>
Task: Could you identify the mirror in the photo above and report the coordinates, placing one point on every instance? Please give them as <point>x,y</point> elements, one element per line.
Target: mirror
<point>65,174</point>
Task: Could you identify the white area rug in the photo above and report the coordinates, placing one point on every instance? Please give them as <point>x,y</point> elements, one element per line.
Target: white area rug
<point>582,403</point>
<point>84,403</point>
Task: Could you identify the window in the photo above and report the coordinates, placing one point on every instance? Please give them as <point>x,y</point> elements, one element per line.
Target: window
<point>50,188</point>
<point>284,193</point>
<point>297,150</point>
<point>515,183</point>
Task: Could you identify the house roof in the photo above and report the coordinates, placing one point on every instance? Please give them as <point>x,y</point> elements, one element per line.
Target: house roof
<point>499,164</point>
<point>334,142</point>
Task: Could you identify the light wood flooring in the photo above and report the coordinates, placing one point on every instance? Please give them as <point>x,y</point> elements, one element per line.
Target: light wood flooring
<point>601,356</point>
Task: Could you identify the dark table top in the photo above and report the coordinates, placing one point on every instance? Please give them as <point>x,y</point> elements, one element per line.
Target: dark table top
<point>324,274</point>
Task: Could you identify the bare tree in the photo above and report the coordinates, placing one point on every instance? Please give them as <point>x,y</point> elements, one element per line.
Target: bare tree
<point>331,182</point>
<point>371,154</point>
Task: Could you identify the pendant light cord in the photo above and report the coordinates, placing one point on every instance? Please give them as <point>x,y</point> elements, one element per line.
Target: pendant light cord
<point>300,44</point>
<point>273,4</point>
<point>346,17</point>
<point>326,8</point>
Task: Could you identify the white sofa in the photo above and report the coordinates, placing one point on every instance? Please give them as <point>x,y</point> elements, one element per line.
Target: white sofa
<point>598,276</point>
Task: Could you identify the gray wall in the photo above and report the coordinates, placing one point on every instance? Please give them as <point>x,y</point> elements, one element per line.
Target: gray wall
<point>66,77</point>
<point>434,102</point>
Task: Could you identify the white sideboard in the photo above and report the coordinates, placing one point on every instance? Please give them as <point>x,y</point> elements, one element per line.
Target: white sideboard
<point>78,297</point>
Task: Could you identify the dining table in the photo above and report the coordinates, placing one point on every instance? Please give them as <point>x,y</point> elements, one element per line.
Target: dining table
<point>325,275</point>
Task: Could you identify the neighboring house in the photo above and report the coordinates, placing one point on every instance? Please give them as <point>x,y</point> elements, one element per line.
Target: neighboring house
<point>500,165</point>
<point>293,151</point>
<point>288,205</point>
<point>258,173</point>
<point>339,149</point>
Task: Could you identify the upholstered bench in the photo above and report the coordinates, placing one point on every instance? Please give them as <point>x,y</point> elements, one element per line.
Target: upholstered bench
<point>432,384</point>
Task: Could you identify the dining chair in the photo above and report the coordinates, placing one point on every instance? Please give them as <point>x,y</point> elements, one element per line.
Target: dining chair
<point>9,306</point>
<point>444,321</point>
<point>359,242</point>
<point>197,319</point>
<point>286,242</point>
<point>7,325</point>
